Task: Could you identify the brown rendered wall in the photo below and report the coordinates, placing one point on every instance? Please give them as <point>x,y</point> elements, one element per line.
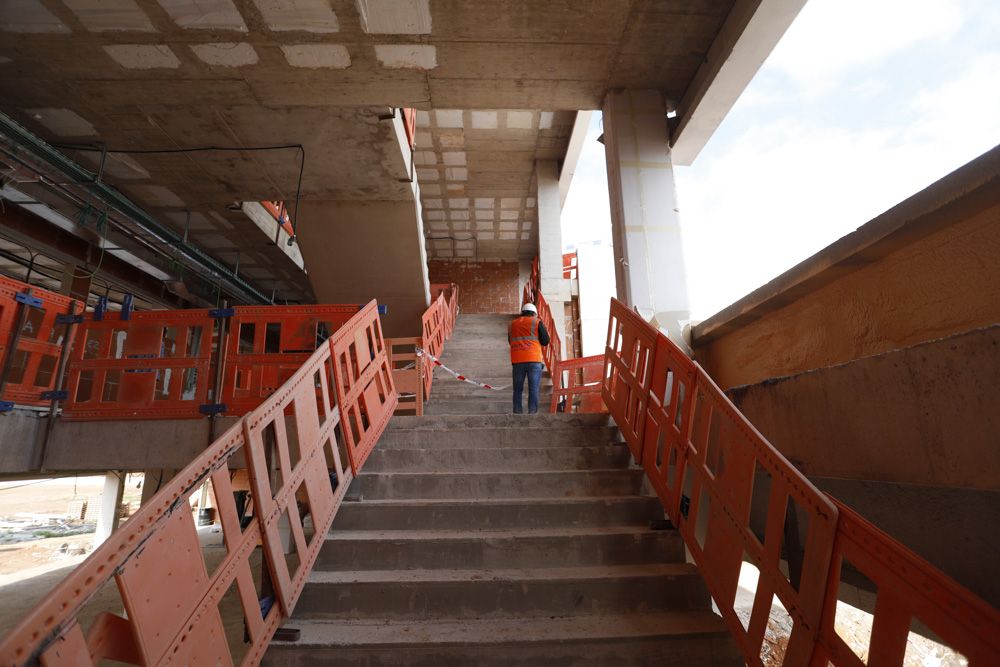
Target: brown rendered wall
<point>483,287</point>
<point>927,269</point>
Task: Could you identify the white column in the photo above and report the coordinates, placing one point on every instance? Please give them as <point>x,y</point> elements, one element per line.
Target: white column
<point>649,258</point>
<point>550,247</point>
<point>111,501</point>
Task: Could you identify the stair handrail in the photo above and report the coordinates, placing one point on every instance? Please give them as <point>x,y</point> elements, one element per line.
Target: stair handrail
<point>728,492</point>
<point>340,399</point>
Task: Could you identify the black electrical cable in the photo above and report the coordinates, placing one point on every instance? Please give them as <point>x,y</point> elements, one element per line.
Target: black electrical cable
<point>204,149</point>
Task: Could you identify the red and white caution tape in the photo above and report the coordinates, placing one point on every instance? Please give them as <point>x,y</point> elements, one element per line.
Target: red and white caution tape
<point>458,376</point>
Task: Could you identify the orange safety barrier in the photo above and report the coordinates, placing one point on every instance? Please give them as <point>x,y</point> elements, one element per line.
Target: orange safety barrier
<point>578,379</point>
<point>407,374</point>
<point>35,330</point>
<point>268,343</point>
<point>410,125</point>
<point>735,498</point>
<point>571,378</point>
<point>438,323</point>
<point>910,592</point>
<point>171,602</point>
<point>569,266</point>
<point>365,390</point>
<point>162,364</point>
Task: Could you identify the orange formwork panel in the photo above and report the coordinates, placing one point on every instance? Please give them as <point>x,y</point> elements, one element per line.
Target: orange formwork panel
<point>267,344</point>
<point>294,448</point>
<point>162,364</point>
<point>35,329</point>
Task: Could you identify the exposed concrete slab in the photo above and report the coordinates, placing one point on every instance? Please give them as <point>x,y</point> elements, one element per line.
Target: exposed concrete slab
<point>927,414</point>
<point>205,14</point>
<point>110,15</point>
<point>143,56</point>
<point>226,54</point>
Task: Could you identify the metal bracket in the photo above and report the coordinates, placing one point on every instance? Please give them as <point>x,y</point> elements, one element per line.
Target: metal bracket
<point>685,505</point>
<point>28,300</point>
<point>127,308</point>
<point>6,406</point>
<point>63,318</point>
<point>55,395</point>
<point>212,408</point>
<point>222,312</point>
<point>100,308</point>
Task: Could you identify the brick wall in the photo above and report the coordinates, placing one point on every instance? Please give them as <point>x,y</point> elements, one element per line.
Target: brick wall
<point>483,287</point>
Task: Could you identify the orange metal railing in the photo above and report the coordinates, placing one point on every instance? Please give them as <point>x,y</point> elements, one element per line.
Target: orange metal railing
<point>36,328</point>
<point>575,382</point>
<point>293,446</point>
<point>733,498</point>
<point>280,214</point>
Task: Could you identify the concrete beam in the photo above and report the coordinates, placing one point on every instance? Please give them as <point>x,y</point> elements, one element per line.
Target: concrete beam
<point>579,134</point>
<point>98,446</point>
<point>746,39</point>
<point>356,251</point>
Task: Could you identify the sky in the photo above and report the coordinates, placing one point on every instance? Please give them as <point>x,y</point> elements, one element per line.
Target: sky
<point>861,104</point>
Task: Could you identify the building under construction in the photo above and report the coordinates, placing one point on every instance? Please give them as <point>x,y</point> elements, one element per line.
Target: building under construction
<point>266,253</point>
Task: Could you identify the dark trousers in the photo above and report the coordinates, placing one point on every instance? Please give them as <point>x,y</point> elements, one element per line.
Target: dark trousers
<point>532,370</point>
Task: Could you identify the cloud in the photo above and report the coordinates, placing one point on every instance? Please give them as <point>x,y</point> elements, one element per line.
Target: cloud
<point>833,37</point>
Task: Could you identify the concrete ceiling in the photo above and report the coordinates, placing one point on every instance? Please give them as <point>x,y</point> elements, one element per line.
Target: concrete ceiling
<point>499,77</point>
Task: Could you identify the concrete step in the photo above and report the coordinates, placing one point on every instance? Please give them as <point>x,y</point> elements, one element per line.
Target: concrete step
<point>473,407</point>
<point>488,438</point>
<point>500,593</point>
<point>663,639</point>
<point>498,513</point>
<point>498,549</point>
<point>547,484</point>
<point>508,422</point>
<point>505,459</point>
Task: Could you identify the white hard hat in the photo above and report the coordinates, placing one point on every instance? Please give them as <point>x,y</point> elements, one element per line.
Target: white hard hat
<point>529,307</point>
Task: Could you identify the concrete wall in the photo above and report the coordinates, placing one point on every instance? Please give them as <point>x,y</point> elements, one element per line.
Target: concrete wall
<point>928,414</point>
<point>923,270</point>
<point>356,251</point>
<point>483,286</point>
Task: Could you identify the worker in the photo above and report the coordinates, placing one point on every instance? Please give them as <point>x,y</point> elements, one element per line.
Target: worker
<point>526,337</point>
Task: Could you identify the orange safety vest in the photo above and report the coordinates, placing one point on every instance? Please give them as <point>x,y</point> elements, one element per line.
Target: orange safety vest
<point>524,344</point>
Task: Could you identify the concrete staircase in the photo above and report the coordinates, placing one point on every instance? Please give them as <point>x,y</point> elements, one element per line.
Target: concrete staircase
<point>479,350</point>
<point>489,539</point>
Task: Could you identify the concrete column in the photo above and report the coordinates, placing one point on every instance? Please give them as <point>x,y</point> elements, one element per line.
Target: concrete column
<point>75,281</point>
<point>152,481</point>
<point>356,251</point>
<point>111,501</point>
<point>550,248</point>
<point>649,258</point>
